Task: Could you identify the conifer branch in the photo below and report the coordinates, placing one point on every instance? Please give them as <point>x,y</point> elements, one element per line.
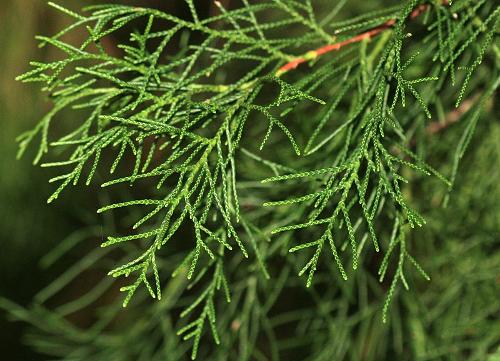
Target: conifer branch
<point>367,35</point>
<point>185,120</point>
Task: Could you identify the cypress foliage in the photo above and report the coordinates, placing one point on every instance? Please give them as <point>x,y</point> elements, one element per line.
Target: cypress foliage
<point>285,184</point>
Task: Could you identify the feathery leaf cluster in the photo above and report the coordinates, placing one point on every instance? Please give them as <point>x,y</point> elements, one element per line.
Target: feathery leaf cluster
<point>246,159</point>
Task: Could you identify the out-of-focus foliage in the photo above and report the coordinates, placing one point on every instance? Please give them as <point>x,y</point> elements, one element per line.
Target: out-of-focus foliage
<point>28,229</point>
<point>189,121</point>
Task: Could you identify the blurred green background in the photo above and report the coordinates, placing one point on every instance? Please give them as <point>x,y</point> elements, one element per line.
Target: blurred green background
<point>29,227</point>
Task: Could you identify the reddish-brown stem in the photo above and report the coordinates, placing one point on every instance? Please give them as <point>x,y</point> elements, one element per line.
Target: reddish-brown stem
<point>355,39</point>
<point>452,117</point>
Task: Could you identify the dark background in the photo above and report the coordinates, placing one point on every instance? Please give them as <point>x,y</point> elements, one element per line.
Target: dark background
<point>29,228</point>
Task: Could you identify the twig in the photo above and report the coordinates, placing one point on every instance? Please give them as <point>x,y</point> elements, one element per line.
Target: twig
<point>313,54</point>
<point>451,117</point>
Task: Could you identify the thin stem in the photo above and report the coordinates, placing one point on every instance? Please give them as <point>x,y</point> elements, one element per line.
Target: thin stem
<point>313,54</point>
